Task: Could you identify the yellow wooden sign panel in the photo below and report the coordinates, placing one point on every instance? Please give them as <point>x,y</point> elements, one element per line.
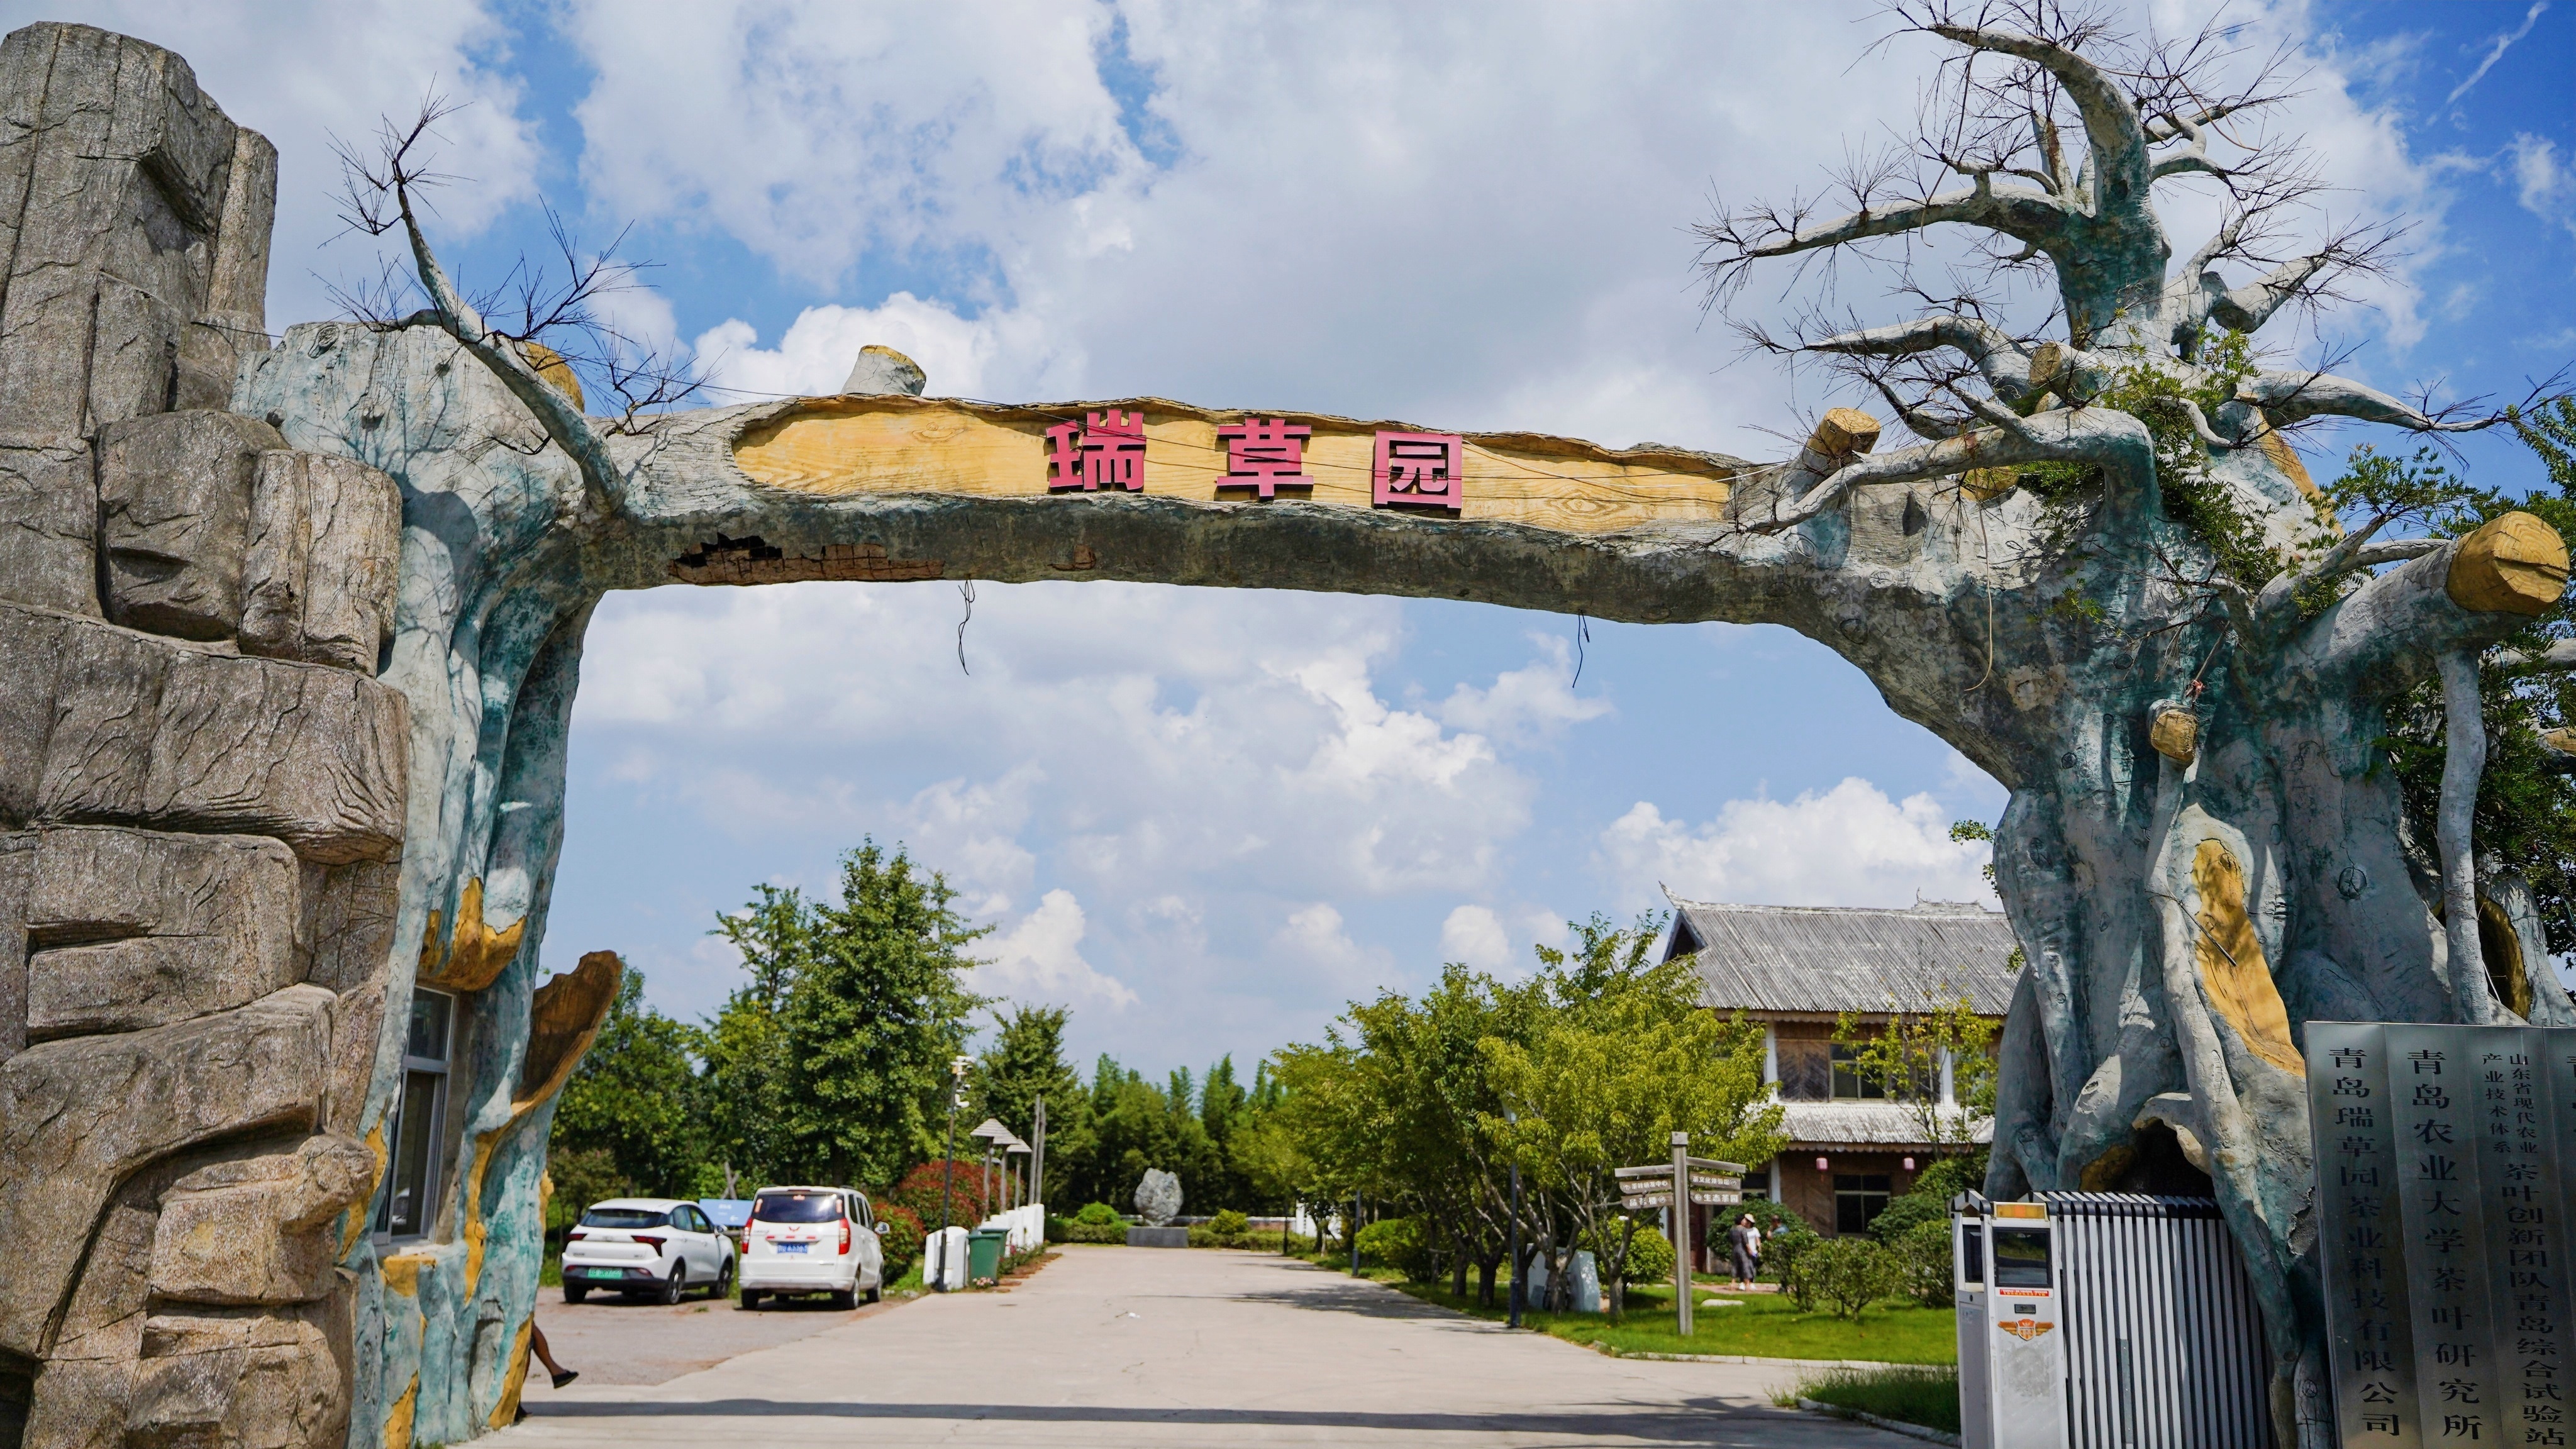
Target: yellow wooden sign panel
<point>896,444</point>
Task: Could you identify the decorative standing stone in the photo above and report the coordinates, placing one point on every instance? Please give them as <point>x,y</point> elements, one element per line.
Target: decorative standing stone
<point>1158,1197</point>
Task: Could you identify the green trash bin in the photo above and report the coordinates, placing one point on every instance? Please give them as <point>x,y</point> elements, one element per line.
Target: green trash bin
<point>984,1252</point>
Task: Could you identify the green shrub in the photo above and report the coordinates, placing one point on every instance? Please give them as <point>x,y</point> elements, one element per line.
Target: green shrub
<point>1846,1275</point>
<point>1097,1214</point>
<point>1650,1257</point>
<point>1923,1259</point>
<point>900,1233</point>
<point>1766,1215</point>
<point>1944,1178</point>
<point>1401,1244</point>
<point>1907,1213</point>
<point>1781,1257</point>
<point>1074,1230</point>
<point>1230,1224</point>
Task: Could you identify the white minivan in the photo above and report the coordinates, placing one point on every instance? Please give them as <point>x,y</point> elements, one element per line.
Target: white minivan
<point>811,1240</point>
<point>647,1247</point>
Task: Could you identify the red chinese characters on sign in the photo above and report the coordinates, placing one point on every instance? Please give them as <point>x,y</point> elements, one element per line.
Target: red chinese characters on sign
<point>1420,470</point>
<point>1267,454</point>
<point>1104,450</point>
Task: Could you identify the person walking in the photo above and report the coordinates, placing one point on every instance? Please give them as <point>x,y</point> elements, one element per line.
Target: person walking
<point>554,1370</point>
<point>1746,1241</point>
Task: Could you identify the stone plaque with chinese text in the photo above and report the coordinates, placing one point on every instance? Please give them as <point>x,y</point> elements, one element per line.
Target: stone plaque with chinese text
<point>2442,1201</point>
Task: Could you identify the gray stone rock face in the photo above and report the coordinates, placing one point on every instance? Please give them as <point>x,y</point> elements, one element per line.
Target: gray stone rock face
<point>318,576</point>
<point>79,1116</point>
<point>48,524</point>
<point>198,884</point>
<point>109,724</point>
<point>174,503</point>
<point>258,1381</point>
<point>130,929</point>
<point>1158,1197</point>
<point>115,177</point>
<point>257,1230</point>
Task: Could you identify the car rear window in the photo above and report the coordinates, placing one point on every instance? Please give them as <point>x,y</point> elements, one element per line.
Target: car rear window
<point>624,1218</point>
<point>797,1207</point>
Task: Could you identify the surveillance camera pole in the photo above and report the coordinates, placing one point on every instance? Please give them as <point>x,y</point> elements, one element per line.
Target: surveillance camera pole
<point>948,1167</point>
<point>1519,1292</point>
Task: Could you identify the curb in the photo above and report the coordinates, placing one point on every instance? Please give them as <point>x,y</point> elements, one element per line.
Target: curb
<point>1849,1363</point>
<point>1893,1426</point>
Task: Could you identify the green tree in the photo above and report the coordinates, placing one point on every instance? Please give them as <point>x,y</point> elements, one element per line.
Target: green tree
<point>628,1121</point>
<point>856,1008</point>
<point>1624,1057</point>
<point>1024,1064</point>
<point>750,1066</point>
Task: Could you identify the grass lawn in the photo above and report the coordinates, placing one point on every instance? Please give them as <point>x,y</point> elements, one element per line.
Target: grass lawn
<point>1926,1396</point>
<point>1766,1326</point>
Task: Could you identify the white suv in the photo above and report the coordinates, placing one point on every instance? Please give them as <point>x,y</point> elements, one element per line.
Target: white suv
<point>647,1245</point>
<point>811,1240</point>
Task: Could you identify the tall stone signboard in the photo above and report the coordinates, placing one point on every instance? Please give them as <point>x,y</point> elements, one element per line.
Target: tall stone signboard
<point>2443,1196</point>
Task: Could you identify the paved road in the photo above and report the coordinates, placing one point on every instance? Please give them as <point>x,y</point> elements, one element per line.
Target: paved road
<point>1135,1346</point>
<point>613,1341</point>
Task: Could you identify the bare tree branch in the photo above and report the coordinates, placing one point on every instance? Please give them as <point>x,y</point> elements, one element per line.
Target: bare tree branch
<point>2291,396</point>
<point>2115,441</point>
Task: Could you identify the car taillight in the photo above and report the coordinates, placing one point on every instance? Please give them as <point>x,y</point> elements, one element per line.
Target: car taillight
<point>574,1237</point>
<point>845,1235</point>
<point>651,1242</point>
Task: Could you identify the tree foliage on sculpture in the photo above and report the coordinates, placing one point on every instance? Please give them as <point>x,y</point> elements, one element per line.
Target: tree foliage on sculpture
<point>2340,686</point>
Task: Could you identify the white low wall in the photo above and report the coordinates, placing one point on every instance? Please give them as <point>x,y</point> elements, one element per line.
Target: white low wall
<point>1026,1225</point>
<point>943,1260</point>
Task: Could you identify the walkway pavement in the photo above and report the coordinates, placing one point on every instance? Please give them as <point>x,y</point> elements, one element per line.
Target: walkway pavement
<point>1138,1346</point>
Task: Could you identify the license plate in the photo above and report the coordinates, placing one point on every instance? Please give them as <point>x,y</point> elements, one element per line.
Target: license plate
<point>793,1247</point>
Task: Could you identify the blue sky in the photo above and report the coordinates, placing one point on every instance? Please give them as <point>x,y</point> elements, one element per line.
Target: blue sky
<point>1205,819</point>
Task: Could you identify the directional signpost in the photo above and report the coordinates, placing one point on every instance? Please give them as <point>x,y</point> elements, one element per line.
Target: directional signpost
<point>1699,1181</point>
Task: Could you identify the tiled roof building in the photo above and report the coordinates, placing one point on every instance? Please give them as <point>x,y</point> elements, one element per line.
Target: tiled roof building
<point>1795,970</point>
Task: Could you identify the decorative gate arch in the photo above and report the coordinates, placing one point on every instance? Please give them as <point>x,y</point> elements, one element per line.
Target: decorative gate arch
<point>217,666</point>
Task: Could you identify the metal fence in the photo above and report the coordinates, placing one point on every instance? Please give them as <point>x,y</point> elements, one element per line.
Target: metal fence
<point>2164,1344</point>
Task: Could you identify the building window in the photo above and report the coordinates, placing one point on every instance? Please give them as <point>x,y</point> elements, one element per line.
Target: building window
<point>1850,1082</point>
<point>1859,1197</point>
<point>411,1188</point>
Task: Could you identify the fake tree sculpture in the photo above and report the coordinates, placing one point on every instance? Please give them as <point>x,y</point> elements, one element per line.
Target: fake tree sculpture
<point>2179,655</point>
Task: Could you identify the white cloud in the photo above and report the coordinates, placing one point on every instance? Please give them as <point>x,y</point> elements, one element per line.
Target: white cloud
<point>1531,703</point>
<point>2495,51</point>
<point>817,133</point>
<point>1850,846</point>
<point>972,832</point>
<point>1315,940</point>
<point>814,355</point>
<point>1474,935</point>
<point>2543,183</point>
<point>1039,961</point>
